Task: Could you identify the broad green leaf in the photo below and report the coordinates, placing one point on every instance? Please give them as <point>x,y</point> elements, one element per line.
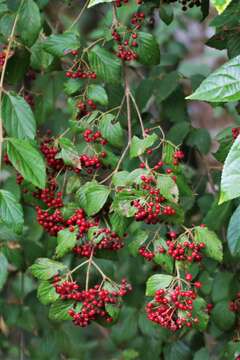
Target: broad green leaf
<point>220,5</point>
<point>69,153</point>
<point>223,85</point>
<point>3,7</point>
<point>113,133</point>
<point>139,146</point>
<point>98,94</point>
<point>45,269</point>
<point>120,178</point>
<point>46,293</point>
<point>59,310</point>
<point>106,65</point>
<point>200,139</point>
<point>148,49</point>
<point>92,197</point>
<point>233,233</point>
<point>156,282</point>
<point>40,59</point>
<point>119,223</point>
<point>96,2</point>
<point>60,44</point>
<point>27,160</point>
<point>231,174</point>
<point>66,241</point>
<point>164,260</point>
<point>213,248</point>
<point>71,86</point>
<point>29,22</point>
<point>165,87</point>
<point>3,270</point>
<point>18,118</point>
<point>178,132</point>
<point>199,311</point>
<point>137,241</point>
<point>222,316</point>
<point>223,286</point>
<point>168,187</point>
<point>166,13</point>
<point>11,212</point>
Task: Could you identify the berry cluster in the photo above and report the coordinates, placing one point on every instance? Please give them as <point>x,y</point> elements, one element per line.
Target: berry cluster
<point>2,58</point>
<point>235,132</point>
<point>127,40</point>
<point>119,3</point>
<point>49,151</point>
<point>186,250</point>
<point>79,69</point>
<point>90,136</point>
<point>153,208</point>
<point>173,308</point>
<point>186,3</point>
<point>29,99</point>
<point>103,239</point>
<point>93,301</point>
<point>85,107</point>
<point>235,304</point>
<point>146,253</point>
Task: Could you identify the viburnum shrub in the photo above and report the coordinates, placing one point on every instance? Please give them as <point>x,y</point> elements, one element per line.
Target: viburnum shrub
<point>120,183</point>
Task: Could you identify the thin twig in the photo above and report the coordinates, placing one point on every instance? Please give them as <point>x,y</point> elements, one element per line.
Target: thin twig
<point>11,39</point>
<point>80,14</point>
<point>138,113</point>
<point>89,269</point>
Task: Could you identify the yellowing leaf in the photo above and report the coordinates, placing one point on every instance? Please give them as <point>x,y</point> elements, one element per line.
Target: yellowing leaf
<point>221,5</point>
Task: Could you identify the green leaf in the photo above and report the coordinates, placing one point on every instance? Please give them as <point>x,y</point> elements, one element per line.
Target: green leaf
<point>96,2</point>
<point>199,311</point>
<point>166,13</point>
<point>231,174</point>
<point>60,44</point>
<point>106,65</point>
<point>139,146</point>
<point>3,270</point>
<point>233,233</point>
<point>223,286</point>
<point>11,212</point>
<point>119,223</point>
<point>3,7</point>
<point>113,311</point>
<point>29,22</point>
<point>27,161</point>
<point>178,132</point>
<point>148,49</point>
<point>69,153</point>
<point>138,240</point>
<point>222,316</point>
<point>164,260</point>
<point>98,94</point>
<point>71,86</point>
<point>18,118</point>
<point>200,139</point>
<point>40,59</point>
<point>59,310</point>
<point>222,85</point>
<point>156,282</point>
<point>214,248</point>
<point>220,5</point>
<point>66,241</point>
<point>44,268</point>
<point>168,187</point>
<point>46,293</point>
<point>113,133</point>
<point>166,86</point>
<point>92,197</point>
